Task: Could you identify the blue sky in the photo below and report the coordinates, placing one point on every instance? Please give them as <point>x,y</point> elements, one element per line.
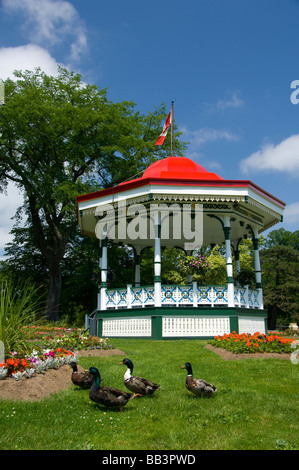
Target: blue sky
<point>228,65</point>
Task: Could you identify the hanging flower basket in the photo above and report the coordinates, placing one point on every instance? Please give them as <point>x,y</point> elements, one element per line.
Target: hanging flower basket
<point>193,265</point>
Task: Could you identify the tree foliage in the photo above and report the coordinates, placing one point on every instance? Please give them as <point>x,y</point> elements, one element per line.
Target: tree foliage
<point>280,266</point>
<point>60,138</point>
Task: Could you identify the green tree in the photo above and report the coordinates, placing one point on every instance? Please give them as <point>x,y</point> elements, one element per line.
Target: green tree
<point>284,238</point>
<point>280,272</point>
<point>60,138</point>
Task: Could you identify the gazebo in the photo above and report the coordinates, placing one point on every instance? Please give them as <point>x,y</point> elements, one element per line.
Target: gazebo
<point>178,203</point>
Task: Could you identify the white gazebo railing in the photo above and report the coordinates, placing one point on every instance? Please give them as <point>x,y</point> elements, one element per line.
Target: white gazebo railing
<point>178,296</point>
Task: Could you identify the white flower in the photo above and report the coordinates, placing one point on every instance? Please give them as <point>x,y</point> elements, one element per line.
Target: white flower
<point>71,358</point>
<point>41,366</point>
<point>17,375</point>
<point>29,372</point>
<point>3,373</point>
<point>46,351</point>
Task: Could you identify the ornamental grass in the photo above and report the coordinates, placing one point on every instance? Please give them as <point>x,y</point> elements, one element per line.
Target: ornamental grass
<point>253,343</point>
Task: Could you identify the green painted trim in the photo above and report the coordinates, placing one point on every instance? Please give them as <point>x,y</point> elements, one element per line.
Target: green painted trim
<point>99,327</point>
<point>159,231</point>
<point>218,218</point>
<point>157,327</point>
<point>266,324</point>
<point>209,213</point>
<point>255,242</point>
<point>234,324</point>
<point>226,232</point>
<point>180,311</point>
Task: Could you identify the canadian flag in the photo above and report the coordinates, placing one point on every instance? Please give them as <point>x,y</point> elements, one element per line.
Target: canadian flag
<point>163,134</point>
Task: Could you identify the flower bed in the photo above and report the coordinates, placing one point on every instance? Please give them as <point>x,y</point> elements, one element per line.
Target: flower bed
<point>253,343</point>
<point>58,349</point>
<point>37,361</point>
<point>77,341</point>
<point>36,332</point>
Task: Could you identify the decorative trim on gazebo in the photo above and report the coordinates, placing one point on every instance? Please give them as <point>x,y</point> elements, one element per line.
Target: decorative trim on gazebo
<point>230,210</point>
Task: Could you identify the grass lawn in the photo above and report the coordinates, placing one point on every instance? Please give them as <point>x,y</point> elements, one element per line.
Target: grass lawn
<point>256,406</point>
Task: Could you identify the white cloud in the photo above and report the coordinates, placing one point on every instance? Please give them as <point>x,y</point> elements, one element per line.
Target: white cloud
<point>9,203</point>
<point>291,215</point>
<point>233,102</point>
<point>51,22</point>
<point>205,134</point>
<point>201,136</point>
<point>26,57</point>
<point>283,157</point>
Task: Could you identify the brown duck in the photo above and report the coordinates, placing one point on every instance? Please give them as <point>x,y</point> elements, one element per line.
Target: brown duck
<point>83,379</point>
<point>108,396</point>
<point>199,387</point>
<point>137,384</point>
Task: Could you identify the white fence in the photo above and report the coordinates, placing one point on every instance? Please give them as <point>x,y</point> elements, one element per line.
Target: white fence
<point>179,295</point>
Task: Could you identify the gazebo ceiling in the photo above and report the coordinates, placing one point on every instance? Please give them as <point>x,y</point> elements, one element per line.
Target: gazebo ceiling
<point>178,182</point>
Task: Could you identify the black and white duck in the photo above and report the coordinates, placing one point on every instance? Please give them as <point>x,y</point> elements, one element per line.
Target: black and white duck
<point>82,378</point>
<point>108,396</point>
<point>199,387</point>
<point>137,384</point>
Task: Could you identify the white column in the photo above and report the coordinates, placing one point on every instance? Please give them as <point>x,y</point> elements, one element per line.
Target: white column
<point>137,266</point>
<point>129,305</point>
<point>194,294</point>
<point>237,258</point>
<point>104,268</point>
<point>257,267</point>
<point>157,259</point>
<point>229,261</point>
<point>100,267</point>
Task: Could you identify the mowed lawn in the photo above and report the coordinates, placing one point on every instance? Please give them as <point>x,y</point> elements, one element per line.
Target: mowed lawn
<point>256,406</point>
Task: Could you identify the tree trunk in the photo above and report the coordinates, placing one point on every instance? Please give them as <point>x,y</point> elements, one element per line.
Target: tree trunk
<point>53,299</point>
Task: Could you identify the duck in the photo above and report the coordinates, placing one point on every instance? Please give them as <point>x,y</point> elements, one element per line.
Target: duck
<point>137,384</point>
<point>108,396</point>
<point>199,387</point>
<point>83,379</point>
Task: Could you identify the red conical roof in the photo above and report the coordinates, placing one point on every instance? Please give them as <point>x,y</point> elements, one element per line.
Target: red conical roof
<point>178,168</point>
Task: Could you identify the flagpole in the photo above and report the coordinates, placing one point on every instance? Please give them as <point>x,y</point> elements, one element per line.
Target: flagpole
<point>172,130</point>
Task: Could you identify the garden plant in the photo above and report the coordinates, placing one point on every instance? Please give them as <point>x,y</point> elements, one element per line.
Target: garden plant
<point>253,343</point>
